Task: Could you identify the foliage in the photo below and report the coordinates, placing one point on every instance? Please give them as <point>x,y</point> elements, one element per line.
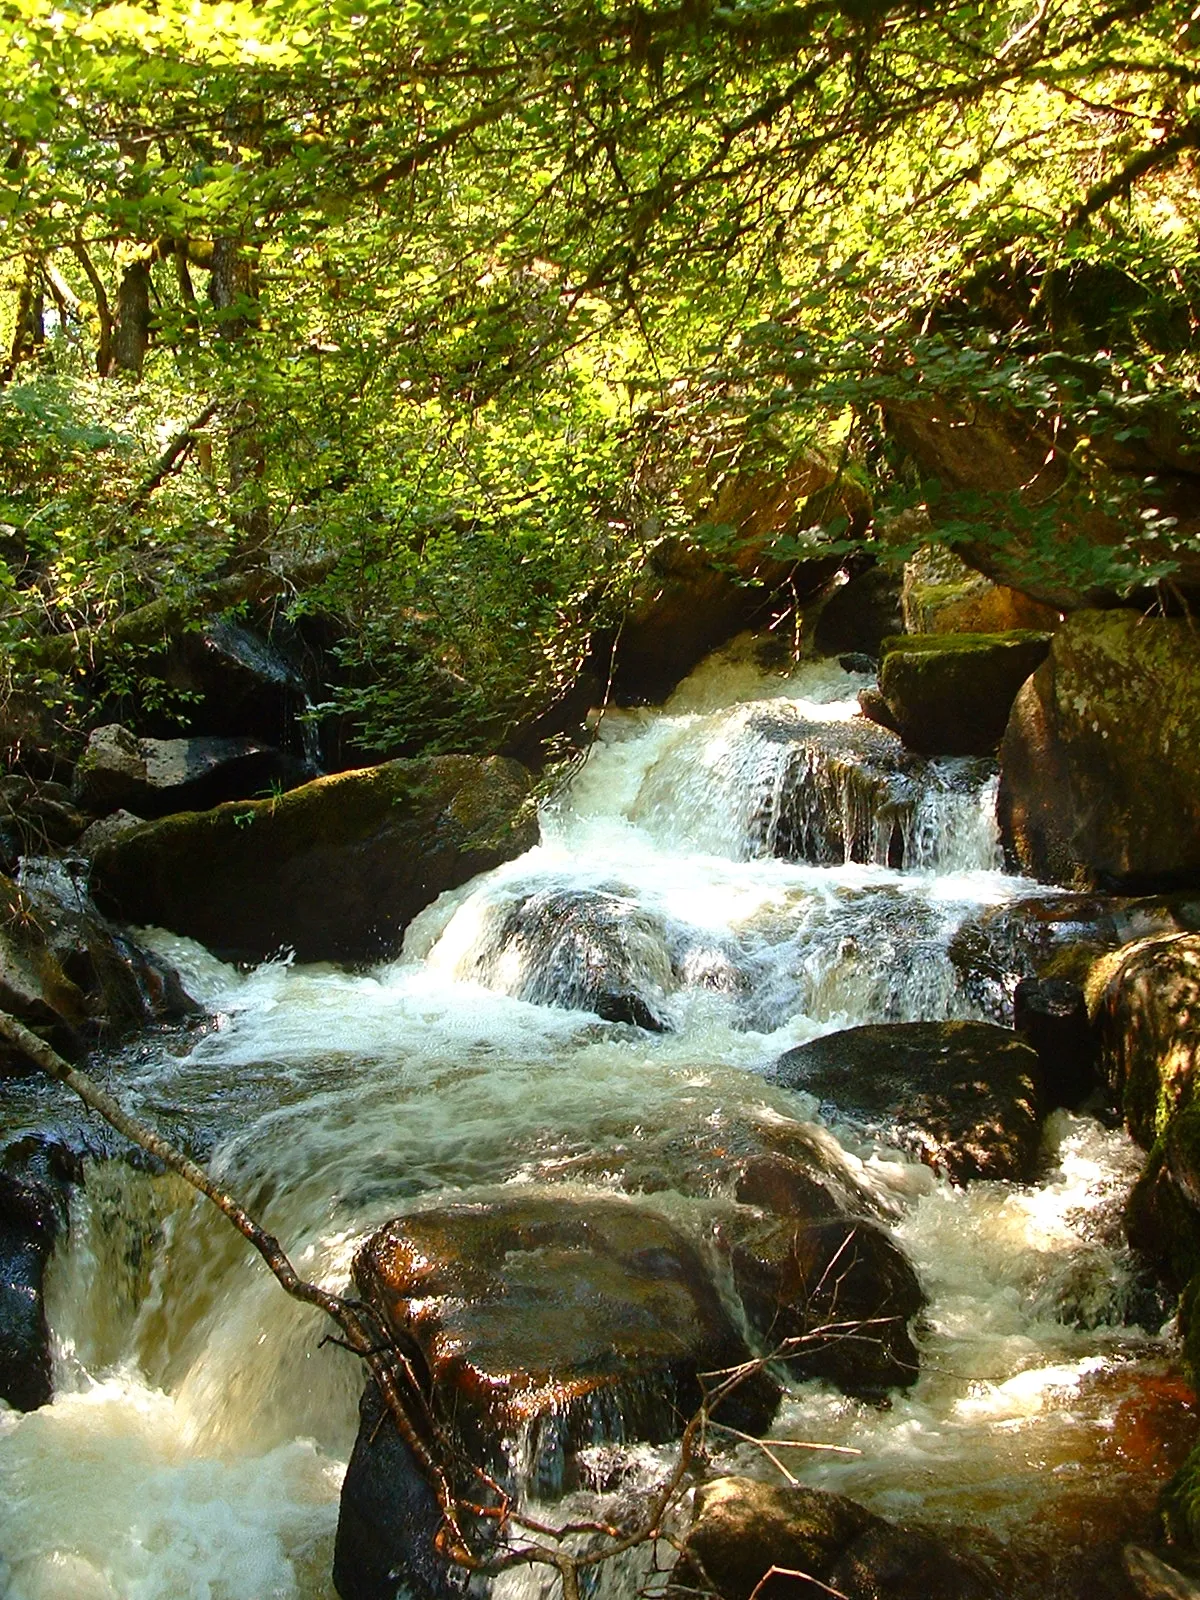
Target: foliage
<point>463,293</point>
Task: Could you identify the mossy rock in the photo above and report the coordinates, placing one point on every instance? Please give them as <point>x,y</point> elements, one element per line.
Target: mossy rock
<point>942,594</point>
<point>1179,1506</point>
<point>950,693</point>
<point>1147,1015</point>
<point>334,870</point>
<point>1100,763</point>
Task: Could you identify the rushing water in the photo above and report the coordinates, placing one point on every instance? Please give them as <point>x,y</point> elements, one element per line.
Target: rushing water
<point>200,1430</point>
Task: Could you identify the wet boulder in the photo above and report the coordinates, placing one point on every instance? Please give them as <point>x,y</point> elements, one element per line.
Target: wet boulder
<point>35,1177</point>
<point>963,1096</point>
<point>584,949</point>
<point>333,870</point>
<point>1054,936</point>
<point>822,1285</point>
<point>830,1298</point>
<point>35,817</point>
<point>557,1321</point>
<point>542,1323</point>
<point>152,777</point>
<point>753,1539</point>
<point>949,694</point>
<point>1100,764</point>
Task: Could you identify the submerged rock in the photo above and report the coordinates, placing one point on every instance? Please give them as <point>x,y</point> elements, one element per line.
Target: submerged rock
<point>950,694</point>
<point>818,1544</point>
<point>583,949</point>
<point>1100,764</point>
<point>1052,1014</point>
<point>333,870</point>
<point>963,1096</point>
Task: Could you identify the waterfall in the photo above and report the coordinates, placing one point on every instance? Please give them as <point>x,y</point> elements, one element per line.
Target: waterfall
<point>745,870</point>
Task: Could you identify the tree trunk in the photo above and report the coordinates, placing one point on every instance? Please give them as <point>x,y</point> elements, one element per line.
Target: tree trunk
<point>131,328</point>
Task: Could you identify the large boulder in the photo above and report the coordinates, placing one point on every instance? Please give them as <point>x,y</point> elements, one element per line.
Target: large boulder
<point>152,777</point>
<point>1148,1018</point>
<point>963,1096</point>
<point>333,870</point>
<point>755,1541</point>
<point>1100,763</point>
<point>69,974</point>
<point>941,594</point>
<point>697,593</point>
<point>949,694</point>
<point>542,1323</point>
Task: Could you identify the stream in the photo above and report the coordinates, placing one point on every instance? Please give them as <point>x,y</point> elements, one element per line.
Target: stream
<point>634,974</point>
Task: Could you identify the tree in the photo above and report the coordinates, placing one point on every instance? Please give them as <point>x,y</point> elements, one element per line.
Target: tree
<point>422,233</point>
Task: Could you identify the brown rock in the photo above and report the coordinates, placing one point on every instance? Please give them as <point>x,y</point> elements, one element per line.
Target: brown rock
<point>818,1543</point>
<point>950,694</point>
<point>1148,1020</point>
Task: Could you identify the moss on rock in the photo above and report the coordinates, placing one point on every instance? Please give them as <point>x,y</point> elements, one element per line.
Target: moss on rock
<point>950,693</point>
<point>333,870</point>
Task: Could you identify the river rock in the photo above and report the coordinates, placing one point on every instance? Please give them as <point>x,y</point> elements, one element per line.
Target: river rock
<point>831,1299</point>
<point>1100,763</point>
<point>963,1096</point>
<point>942,594</point>
<point>949,694</point>
<point>35,817</point>
<point>821,1544</point>
<point>1148,1018</point>
<point>155,776</point>
<point>35,1175</point>
<point>333,870</point>
<point>584,949</point>
<point>560,1319</point>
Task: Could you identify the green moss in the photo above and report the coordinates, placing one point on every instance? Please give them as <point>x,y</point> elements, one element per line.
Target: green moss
<point>960,643</point>
<point>1179,1505</point>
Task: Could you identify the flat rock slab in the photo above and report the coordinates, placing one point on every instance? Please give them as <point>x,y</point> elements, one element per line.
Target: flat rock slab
<point>820,1544</point>
<point>964,1096</point>
<point>152,777</point>
<point>334,870</point>
<point>572,1319</point>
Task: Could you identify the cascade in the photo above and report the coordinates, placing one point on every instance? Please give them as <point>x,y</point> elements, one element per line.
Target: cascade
<point>725,879</point>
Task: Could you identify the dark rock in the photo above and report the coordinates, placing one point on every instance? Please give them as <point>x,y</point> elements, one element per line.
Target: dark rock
<point>34,1180</point>
<point>821,1543</point>
<point>155,776</point>
<point>389,1520</point>
<point>333,870</point>
<point>697,594</point>
<point>1053,936</point>
<point>583,949</point>
<point>1100,764</point>
<point>833,1299</point>
<point>855,662</point>
<point>1052,1013</point>
<point>548,1322</point>
<point>963,1096</point>
<point>1162,1215</point>
<point>950,694</point>
<point>105,829</point>
<point>1148,1018</point>
<point>1155,1579</point>
<point>860,615</point>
